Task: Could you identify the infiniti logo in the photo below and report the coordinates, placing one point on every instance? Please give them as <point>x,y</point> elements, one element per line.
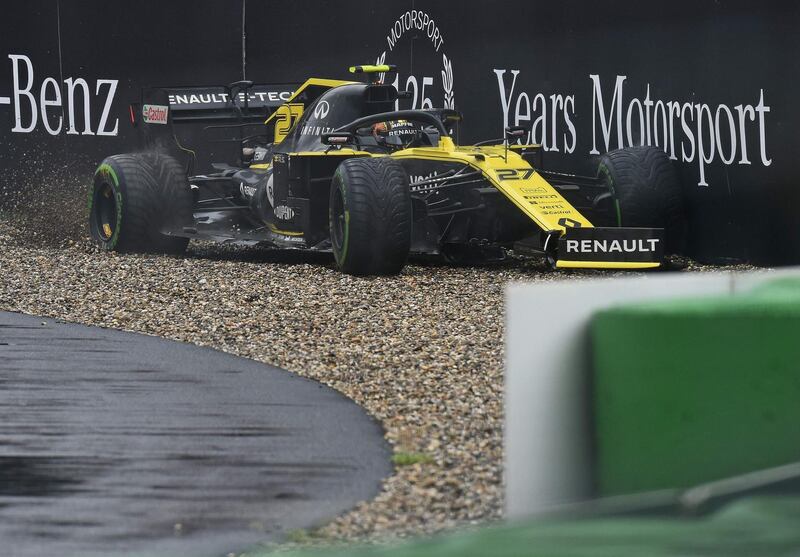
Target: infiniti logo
<point>322,109</point>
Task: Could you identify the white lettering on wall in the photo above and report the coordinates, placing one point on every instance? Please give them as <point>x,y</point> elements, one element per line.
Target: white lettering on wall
<point>691,132</point>
<point>48,106</point>
<point>552,115</point>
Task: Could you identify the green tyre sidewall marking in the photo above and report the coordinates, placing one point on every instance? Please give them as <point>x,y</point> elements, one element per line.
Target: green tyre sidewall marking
<point>106,170</point>
<point>610,181</point>
<point>341,257</point>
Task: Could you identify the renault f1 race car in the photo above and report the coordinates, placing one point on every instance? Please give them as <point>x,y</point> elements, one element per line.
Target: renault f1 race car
<point>335,166</point>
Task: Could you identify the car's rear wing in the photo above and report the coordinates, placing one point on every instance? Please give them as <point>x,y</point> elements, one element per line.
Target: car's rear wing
<point>254,102</point>
<point>192,104</point>
<point>179,120</point>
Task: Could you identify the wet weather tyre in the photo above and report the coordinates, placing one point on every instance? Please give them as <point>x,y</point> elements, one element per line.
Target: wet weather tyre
<point>647,193</point>
<point>370,216</point>
<point>134,197</point>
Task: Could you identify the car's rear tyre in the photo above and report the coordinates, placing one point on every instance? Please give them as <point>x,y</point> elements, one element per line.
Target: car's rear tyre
<point>370,216</point>
<point>136,196</point>
<point>647,193</point>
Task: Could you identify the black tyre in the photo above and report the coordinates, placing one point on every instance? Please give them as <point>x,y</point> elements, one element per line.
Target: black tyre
<point>370,216</point>
<point>647,192</point>
<point>134,198</point>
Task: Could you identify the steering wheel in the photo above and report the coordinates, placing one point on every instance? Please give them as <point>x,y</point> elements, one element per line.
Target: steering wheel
<point>423,138</point>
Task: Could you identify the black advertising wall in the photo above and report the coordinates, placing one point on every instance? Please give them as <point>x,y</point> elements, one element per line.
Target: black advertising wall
<point>710,81</point>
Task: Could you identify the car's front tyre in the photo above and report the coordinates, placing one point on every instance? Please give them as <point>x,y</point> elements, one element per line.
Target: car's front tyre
<point>370,216</point>
<point>646,192</point>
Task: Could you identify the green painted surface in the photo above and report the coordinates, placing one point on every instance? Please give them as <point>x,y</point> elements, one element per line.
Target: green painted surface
<point>690,391</point>
<point>748,528</point>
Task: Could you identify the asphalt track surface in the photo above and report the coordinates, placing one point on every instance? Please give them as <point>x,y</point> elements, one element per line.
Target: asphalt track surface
<point>115,443</point>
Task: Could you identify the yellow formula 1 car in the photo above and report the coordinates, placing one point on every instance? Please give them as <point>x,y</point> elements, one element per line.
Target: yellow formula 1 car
<point>339,168</point>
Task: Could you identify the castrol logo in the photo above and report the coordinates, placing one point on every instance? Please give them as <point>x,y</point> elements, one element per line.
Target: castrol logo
<point>155,113</point>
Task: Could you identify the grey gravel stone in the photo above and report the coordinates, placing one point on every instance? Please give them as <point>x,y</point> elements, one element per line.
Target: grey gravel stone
<point>422,351</point>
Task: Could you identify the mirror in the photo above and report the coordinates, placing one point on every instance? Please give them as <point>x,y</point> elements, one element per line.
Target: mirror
<point>516,132</point>
<point>338,138</point>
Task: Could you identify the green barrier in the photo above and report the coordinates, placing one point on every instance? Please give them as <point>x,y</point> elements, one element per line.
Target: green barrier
<point>690,391</point>
<point>747,528</point>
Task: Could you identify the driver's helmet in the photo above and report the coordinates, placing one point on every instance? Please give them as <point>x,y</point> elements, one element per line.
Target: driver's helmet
<point>397,132</point>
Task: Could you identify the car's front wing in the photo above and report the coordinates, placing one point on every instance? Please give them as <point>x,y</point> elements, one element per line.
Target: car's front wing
<point>530,192</point>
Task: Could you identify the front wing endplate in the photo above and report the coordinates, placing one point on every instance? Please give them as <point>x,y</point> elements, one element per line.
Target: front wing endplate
<point>611,248</point>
